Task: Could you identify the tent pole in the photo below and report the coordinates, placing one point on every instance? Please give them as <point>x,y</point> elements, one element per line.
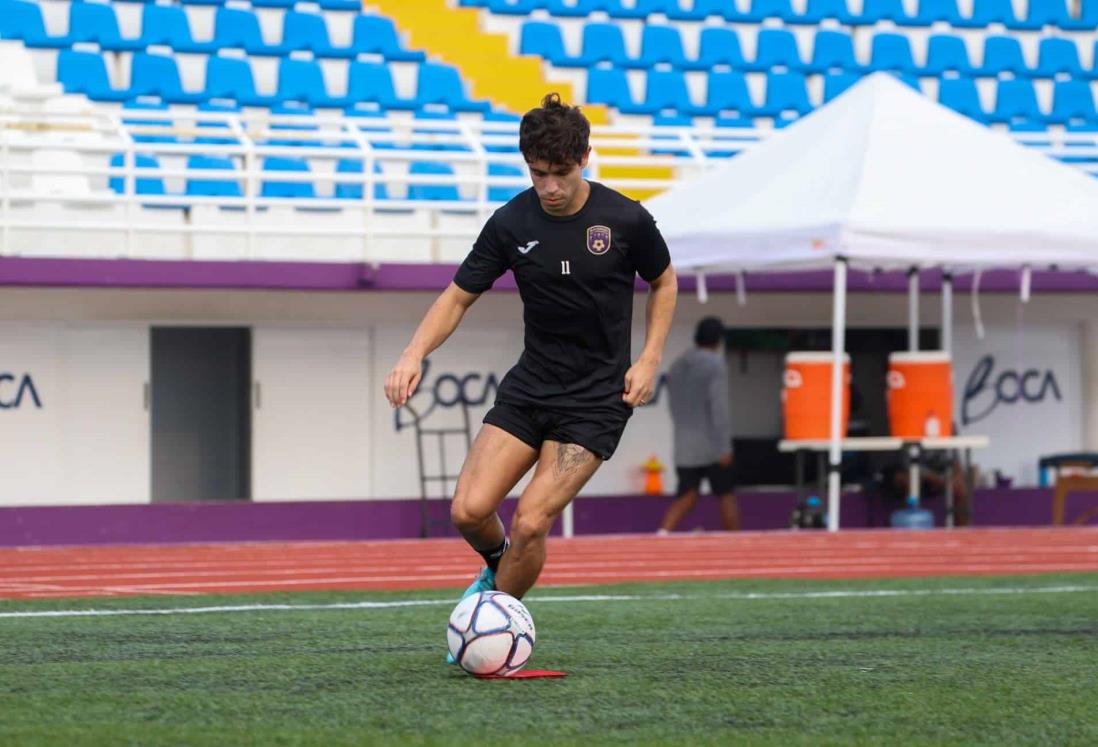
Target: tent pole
<point>838,347</point>
<point>913,309</point>
<point>947,311</point>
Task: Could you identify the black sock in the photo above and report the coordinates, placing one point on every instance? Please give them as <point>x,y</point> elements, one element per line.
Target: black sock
<point>493,556</point>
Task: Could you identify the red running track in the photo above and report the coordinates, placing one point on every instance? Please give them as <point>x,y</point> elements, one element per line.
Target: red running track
<point>448,563</point>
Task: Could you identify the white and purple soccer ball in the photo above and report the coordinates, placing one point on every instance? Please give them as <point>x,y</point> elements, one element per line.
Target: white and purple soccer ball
<point>491,633</point>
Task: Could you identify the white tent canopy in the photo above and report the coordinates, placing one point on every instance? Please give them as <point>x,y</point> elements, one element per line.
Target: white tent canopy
<point>885,177</point>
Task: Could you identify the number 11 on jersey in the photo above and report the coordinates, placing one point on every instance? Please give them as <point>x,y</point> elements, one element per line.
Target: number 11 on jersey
<point>565,267</point>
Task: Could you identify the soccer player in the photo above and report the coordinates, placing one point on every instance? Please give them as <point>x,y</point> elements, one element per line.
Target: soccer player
<point>575,248</point>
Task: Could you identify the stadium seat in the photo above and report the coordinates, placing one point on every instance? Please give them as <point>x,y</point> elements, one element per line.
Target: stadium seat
<point>85,72</point>
<point>833,51</point>
<point>987,12</point>
<point>162,121</point>
<point>1003,54</point>
<point>441,84</point>
<point>785,92</point>
<point>960,95</point>
<point>609,86</point>
<point>602,42</point>
<point>892,53</point>
<point>932,11</point>
<point>666,90</point>
<point>220,134</point>
<point>1041,13</point>
<point>726,96</point>
<point>646,8</point>
<point>344,5</point>
<point>445,189</point>
<point>1087,19</point>
<point>763,9</point>
<point>515,7</point>
<point>702,9</point>
<point>718,46</point>
<point>349,191</point>
<point>158,75</point>
<point>503,193</point>
<point>945,53</point>
<point>239,28</point>
<point>1072,102</point>
<point>542,40</point>
<point>284,189</point>
<point>96,22</point>
<point>875,11</point>
<point>202,2</point>
<point>294,119</point>
<point>373,82</point>
<point>231,78</point>
<point>143,185</point>
<point>309,31</point>
<point>837,83</point>
<point>374,34</point>
<point>1058,56</point>
<point>776,49</point>
<point>660,45</point>
<point>20,19</point>
<point>580,8</point>
<point>818,10</point>
<point>1016,101</point>
<point>303,80</point>
<point>209,187</point>
<point>168,25</point>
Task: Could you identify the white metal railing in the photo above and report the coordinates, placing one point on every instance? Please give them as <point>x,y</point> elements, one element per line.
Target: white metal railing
<point>63,160</point>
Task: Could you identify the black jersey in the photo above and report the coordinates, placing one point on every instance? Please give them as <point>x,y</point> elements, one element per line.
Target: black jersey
<point>575,275</point>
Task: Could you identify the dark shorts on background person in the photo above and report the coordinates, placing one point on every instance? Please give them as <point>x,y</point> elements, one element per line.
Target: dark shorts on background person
<point>722,480</point>
<point>598,433</point>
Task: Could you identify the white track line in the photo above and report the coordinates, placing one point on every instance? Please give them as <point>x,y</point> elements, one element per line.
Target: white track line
<point>743,596</point>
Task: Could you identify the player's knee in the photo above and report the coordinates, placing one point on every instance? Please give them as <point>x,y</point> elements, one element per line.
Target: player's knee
<point>467,517</point>
<point>530,527</point>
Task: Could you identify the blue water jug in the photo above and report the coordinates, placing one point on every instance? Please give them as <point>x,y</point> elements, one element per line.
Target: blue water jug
<point>912,517</point>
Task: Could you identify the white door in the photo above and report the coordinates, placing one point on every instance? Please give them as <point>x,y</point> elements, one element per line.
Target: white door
<point>310,413</point>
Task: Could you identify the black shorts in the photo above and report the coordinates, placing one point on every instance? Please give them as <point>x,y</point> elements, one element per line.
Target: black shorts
<point>722,480</point>
<point>599,434</point>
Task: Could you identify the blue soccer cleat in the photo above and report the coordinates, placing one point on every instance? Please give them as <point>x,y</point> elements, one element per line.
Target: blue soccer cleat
<point>485,581</point>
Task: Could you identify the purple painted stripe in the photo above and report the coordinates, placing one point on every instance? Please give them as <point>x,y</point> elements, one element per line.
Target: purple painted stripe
<point>350,276</point>
<point>393,519</point>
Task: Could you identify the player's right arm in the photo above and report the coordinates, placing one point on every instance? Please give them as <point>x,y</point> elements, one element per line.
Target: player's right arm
<point>439,323</point>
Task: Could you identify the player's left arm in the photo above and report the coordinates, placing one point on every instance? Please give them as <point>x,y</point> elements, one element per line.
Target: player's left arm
<point>640,379</point>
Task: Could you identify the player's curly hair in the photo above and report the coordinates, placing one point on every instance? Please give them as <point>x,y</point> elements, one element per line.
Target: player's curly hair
<point>554,132</point>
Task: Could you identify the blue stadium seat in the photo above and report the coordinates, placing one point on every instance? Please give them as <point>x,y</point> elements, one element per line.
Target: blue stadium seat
<point>931,11</point>
<point>344,5</point>
<point>837,83</point>
<point>892,52</point>
<point>763,9</point>
<point>96,22</point>
<point>580,8</point>
<point>1087,19</point>
<point>446,190</point>
<point>143,185</point>
<point>377,35</point>
<point>609,86</point>
<point>348,191</point>
<point>373,82</point>
<point>946,52</point>
<point>441,84</point>
<point>776,48</point>
<point>833,51</point>
<point>231,78</point>
<point>960,95</point>
<point>666,90</point>
<point>379,136</point>
<point>272,3</point>
<point>875,11</point>
<point>602,42</point>
<point>1016,101</point>
<point>515,7</point>
<point>303,80</point>
<point>85,72</point>
<point>239,28</point>
<point>220,134</point>
<point>208,187</point>
<point>283,189</point>
<point>158,75</point>
<point>23,20</point>
<point>986,12</point>
<point>542,40</point>
<point>1058,55</point>
<point>1072,102</point>
<point>202,2</point>
<point>1003,54</point>
<point>660,45</point>
<point>703,9</point>
<point>645,8</point>
<point>1041,13</point>
<point>168,25</point>
<point>726,96</point>
<point>718,46</point>
<point>502,193</point>
<point>818,10</point>
<point>309,31</point>
<point>148,104</point>
<point>785,92</point>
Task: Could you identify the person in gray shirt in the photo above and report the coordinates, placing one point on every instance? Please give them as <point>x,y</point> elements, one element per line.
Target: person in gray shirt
<point>698,386</point>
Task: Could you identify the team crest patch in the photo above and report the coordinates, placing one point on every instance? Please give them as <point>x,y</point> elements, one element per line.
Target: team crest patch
<point>598,239</point>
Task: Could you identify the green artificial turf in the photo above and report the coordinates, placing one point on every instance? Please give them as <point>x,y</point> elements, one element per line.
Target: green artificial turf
<point>725,663</point>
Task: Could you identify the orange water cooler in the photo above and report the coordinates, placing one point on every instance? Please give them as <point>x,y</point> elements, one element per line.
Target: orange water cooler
<point>920,394</point>
<point>806,396</point>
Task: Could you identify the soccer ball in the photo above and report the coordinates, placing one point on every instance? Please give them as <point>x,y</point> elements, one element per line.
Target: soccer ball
<point>490,633</point>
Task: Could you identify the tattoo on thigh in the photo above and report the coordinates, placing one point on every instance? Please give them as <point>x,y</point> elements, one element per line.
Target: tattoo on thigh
<point>570,457</point>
